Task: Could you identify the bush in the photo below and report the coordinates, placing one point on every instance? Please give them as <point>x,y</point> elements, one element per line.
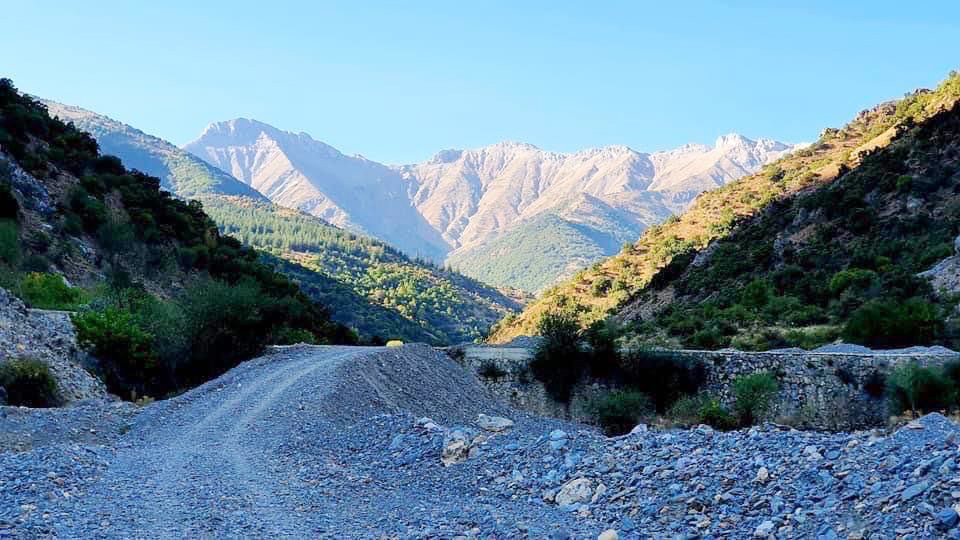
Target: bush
<point>753,395</point>
<point>686,411</point>
<point>890,324</point>
<point>9,242</point>
<point>559,362</point>
<point>717,416</point>
<point>49,291</point>
<point>128,362</point>
<point>921,389</point>
<point>663,376</point>
<point>619,412</point>
<point>29,383</point>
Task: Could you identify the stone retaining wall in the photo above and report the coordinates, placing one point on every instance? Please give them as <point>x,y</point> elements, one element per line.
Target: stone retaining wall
<point>821,390</point>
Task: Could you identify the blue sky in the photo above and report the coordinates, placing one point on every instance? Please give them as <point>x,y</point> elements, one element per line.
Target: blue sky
<point>398,81</point>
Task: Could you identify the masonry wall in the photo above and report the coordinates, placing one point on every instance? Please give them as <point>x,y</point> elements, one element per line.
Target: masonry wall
<point>820,390</point>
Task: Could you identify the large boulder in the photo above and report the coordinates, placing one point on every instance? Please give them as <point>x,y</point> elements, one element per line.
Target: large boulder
<point>494,423</point>
<point>457,445</point>
<point>575,491</point>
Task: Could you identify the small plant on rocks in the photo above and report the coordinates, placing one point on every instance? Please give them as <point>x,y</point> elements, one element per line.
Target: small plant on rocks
<point>753,395</point>
<point>921,389</point>
<point>29,383</point>
<point>618,412</point>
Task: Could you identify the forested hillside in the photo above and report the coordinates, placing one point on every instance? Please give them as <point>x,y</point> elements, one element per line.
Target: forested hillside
<point>164,301</point>
<point>413,299</point>
<point>823,243</point>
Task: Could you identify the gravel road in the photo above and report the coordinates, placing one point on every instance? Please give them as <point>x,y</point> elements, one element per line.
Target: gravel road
<point>334,442</point>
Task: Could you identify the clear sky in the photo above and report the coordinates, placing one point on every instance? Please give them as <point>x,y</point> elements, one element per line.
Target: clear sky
<point>398,81</point>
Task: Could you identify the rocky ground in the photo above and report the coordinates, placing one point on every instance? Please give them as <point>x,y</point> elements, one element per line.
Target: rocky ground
<point>48,337</point>
<point>340,442</point>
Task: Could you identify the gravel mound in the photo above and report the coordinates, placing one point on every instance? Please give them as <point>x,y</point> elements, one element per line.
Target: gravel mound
<point>48,337</point>
<point>850,348</point>
<point>333,442</point>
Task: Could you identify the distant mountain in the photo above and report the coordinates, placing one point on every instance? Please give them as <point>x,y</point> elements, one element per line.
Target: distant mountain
<point>456,206</point>
<point>179,172</point>
<point>295,171</point>
<point>489,202</point>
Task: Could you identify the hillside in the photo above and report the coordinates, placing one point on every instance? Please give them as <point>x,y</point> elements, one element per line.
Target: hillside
<point>529,256</point>
<point>165,302</point>
<point>411,299</point>
<point>179,172</point>
<point>876,198</point>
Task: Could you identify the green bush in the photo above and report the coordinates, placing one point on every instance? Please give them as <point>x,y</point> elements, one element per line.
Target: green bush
<point>128,363</point>
<point>922,389</point>
<point>753,395</point>
<point>686,411</point>
<point>619,412</point>
<point>889,323</point>
<point>29,383</point>
<point>559,361</point>
<point>9,242</point>
<point>49,291</point>
<point>717,416</point>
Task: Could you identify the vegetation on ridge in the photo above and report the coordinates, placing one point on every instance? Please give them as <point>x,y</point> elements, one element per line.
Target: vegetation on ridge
<point>722,273</point>
<point>115,233</point>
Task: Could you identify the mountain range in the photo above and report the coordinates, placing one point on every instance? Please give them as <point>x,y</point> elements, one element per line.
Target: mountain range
<point>464,205</point>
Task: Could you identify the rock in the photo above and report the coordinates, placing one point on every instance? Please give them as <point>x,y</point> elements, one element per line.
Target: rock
<point>764,530</point>
<point>609,534</point>
<point>558,435</point>
<point>947,518</point>
<point>763,475</point>
<point>639,428</point>
<point>914,491</point>
<point>3,396</point>
<point>601,490</point>
<point>494,423</point>
<point>575,491</point>
<point>956,245</point>
<point>457,444</point>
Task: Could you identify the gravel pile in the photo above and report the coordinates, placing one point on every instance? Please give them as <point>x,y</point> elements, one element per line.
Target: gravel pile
<point>341,442</point>
<point>48,337</point>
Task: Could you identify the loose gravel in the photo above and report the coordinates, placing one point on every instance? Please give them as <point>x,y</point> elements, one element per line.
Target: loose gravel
<point>346,442</point>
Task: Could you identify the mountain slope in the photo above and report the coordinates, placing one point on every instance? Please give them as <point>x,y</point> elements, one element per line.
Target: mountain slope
<point>179,172</point>
<point>409,299</point>
<point>296,171</point>
<point>681,244</point>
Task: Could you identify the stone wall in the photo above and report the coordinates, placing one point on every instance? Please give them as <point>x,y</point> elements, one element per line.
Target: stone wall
<point>820,390</point>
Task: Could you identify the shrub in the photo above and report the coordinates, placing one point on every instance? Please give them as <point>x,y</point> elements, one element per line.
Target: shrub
<point>753,395</point>
<point>888,323</point>
<point>9,242</point>
<point>717,416</point>
<point>686,411</point>
<point>663,376</point>
<point>49,291</point>
<point>921,389</point>
<point>29,383</point>
<point>601,286</point>
<point>128,362</point>
<point>619,412</point>
<point>559,361</point>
